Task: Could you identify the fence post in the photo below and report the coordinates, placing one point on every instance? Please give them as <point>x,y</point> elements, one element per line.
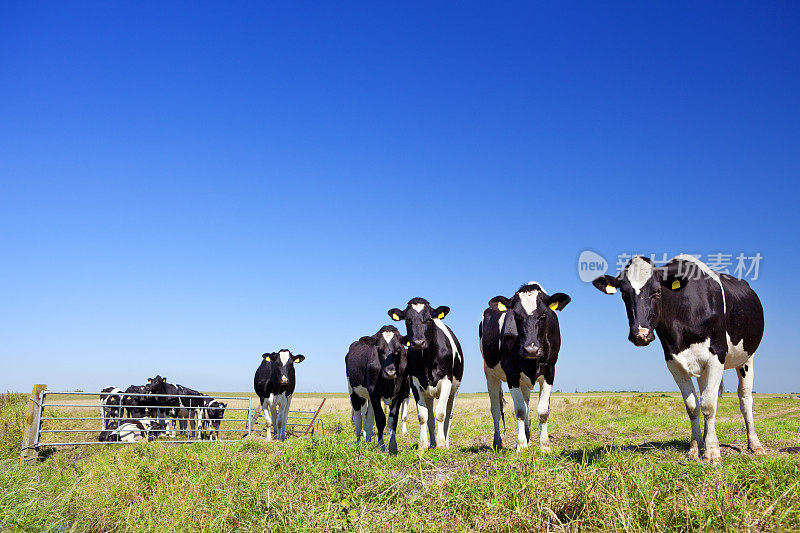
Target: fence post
<point>33,410</point>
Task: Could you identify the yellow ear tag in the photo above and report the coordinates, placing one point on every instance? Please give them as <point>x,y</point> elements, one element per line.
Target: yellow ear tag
<point>267,359</point>
<point>676,285</point>
<point>441,316</point>
<point>395,317</point>
<point>501,307</point>
<point>610,289</point>
<point>408,344</point>
<point>554,306</point>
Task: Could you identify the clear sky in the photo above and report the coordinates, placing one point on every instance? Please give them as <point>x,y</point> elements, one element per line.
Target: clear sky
<point>184,186</point>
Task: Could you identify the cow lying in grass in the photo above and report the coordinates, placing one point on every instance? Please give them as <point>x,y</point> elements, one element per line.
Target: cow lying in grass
<point>131,430</point>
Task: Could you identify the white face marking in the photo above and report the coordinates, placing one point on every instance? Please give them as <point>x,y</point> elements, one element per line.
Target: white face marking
<point>528,301</point>
<point>638,273</point>
<point>418,307</point>
<point>446,331</point>
<point>284,356</point>
<point>387,336</point>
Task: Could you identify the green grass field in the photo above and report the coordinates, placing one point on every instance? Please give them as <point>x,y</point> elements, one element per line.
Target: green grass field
<point>618,463</point>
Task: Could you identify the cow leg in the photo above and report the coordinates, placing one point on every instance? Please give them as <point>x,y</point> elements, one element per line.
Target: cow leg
<point>357,402</point>
<point>521,412</point>
<point>285,415</point>
<point>451,403</point>
<point>380,417</point>
<point>543,410</point>
<point>495,388</point>
<point>423,404</point>
<point>684,382</point>
<point>526,394</point>
<point>404,414</point>
<point>265,407</point>
<point>441,412</point>
<point>369,421</point>
<point>712,376</point>
<point>745,373</point>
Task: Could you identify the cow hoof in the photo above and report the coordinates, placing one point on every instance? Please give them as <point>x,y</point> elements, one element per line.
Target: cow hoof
<point>498,443</point>
<point>441,443</point>
<point>423,447</point>
<point>758,451</point>
<point>545,448</point>
<point>712,457</point>
<point>392,448</point>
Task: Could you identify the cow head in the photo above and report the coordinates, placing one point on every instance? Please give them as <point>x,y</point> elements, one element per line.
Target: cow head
<point>391,350</point>
<point>530,313</point>
<point>282,364</point>
<point>155,385</point>
<point>419,316</point>
<point>641,285</point>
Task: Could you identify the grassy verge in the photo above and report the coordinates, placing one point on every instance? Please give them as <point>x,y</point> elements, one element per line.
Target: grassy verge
<point>618,464</point>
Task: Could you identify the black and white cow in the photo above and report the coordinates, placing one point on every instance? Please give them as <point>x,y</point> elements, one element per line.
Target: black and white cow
<point>130,430</point>
<point>211,417</point>
<point>706,322</point>
<point>274,383</point>
<point>435,364</point>
<point>135,402</point>
<point>376,370</point>
<point>520,340</point>
<point>181,405</point>
<point>110,405</point>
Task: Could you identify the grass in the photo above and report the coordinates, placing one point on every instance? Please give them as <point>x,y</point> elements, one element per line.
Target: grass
<point>619,463</point>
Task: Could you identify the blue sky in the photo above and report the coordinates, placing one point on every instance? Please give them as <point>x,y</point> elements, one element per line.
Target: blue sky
<point>186,186</point>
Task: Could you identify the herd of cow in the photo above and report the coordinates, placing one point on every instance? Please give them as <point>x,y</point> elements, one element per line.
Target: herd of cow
<point>145,411</point>
<point>706,321</point>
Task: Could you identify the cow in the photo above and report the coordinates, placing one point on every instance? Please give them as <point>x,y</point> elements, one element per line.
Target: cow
<point>520,340</point>
<point>135,402</point>
<point>176,402</point>
<point>274,383</point>
<point>707,322</point>
<point>435,365</point>
<point>110,405</point>
<point>376,370</point>
<point>212,414</point>
<point>130,430</point>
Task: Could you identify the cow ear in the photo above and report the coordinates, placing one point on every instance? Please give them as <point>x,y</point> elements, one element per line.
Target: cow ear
<point>368,339</point>
<point>674,281</point>
<point>406,341</point>
<point>164,379</point>
<point>441,312</point>
<point>558,301</point>
<point>298,358</point>
<point>149,380</point>
<point>500,303</point>
<point>396,314</point>
<point>607,284</point>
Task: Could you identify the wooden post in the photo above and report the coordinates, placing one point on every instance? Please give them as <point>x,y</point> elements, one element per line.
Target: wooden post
<point>28,452</point>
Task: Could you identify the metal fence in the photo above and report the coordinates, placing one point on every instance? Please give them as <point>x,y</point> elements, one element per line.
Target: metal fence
<point>55,416</point>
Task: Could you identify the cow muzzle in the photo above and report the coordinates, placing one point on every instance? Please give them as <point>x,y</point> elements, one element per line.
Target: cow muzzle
<point>284,379</point>
<point>419,343</point>
<point>641,336</point>
<point>390,372</point>
<point>532,350</point>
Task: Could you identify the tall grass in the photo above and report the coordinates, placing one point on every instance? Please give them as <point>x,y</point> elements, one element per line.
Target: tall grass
<point>632,477</point>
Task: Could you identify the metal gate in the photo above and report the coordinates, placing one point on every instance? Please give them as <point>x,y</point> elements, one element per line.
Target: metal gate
<point>60,418</point>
